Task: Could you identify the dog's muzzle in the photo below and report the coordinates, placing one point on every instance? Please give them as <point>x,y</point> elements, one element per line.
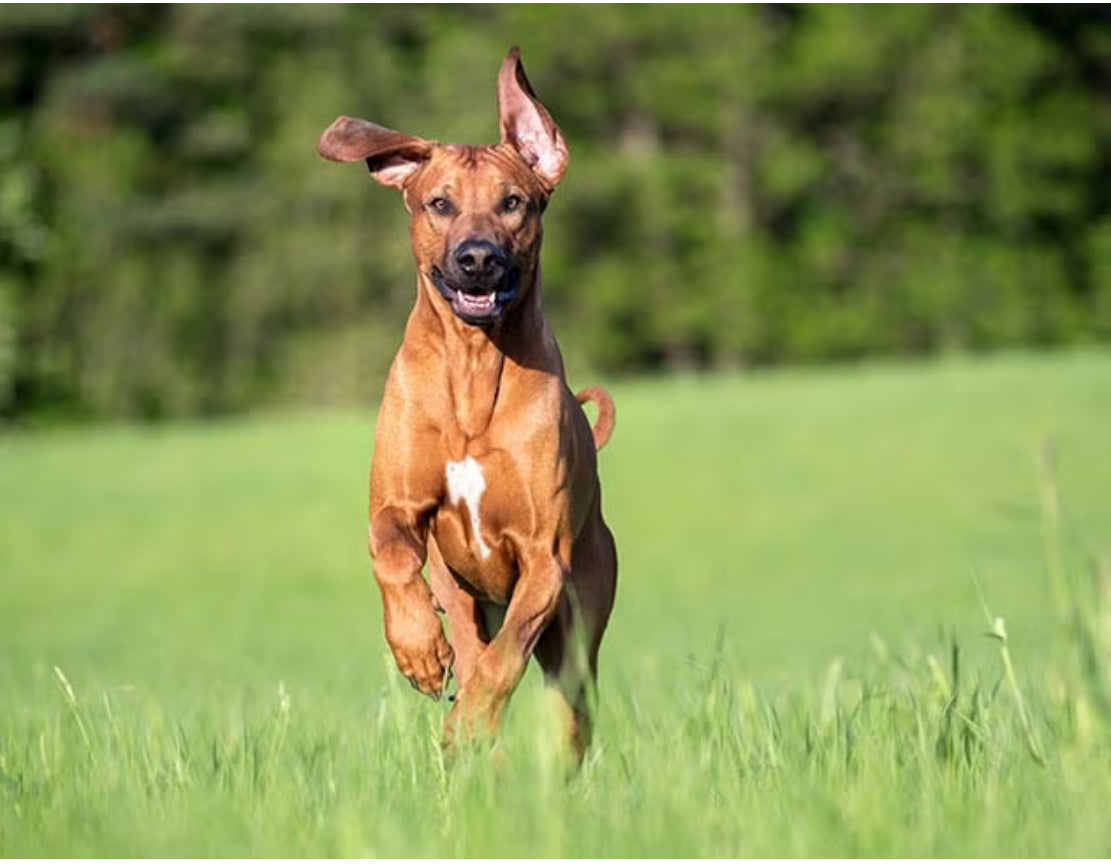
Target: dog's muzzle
<point>478,281</point>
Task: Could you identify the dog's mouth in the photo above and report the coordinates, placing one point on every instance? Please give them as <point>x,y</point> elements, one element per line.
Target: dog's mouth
<point>478,304</point>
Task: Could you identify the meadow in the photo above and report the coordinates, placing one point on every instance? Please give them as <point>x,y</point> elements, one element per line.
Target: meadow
<point>861,611</point>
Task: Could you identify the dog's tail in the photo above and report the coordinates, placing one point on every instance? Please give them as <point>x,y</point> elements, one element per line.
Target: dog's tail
<point>603,426</point>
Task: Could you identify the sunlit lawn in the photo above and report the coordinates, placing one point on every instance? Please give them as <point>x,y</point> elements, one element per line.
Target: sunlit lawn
<point>797,561</point>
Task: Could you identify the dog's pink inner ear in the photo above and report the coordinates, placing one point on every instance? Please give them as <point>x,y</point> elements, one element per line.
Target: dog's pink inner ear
<point>394,170</point>
<point>526,124</point>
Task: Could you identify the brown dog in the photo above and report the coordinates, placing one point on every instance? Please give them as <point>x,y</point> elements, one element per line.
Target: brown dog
<point>484,462</point>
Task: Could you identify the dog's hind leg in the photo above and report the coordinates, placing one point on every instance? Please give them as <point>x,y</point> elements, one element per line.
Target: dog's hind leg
<point>568,650</point>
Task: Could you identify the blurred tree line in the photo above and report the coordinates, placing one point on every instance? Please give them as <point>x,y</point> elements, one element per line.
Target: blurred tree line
<point>748,185</point>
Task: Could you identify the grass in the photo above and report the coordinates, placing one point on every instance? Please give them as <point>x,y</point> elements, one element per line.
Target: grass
<point>800,662</point>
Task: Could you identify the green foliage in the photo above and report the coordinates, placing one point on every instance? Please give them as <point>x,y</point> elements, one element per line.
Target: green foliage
<point>192,660</point>
<point>747,186</point>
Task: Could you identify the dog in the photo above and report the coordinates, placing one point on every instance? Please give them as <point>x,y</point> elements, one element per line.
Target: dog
<point>484,461</point>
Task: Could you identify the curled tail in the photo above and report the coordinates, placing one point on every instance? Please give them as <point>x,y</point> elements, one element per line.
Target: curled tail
<point>603,426</point>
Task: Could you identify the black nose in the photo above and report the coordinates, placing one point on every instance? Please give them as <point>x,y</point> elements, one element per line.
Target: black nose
<point>479,259</point>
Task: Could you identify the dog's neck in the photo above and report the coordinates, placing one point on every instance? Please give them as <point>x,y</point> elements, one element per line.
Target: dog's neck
<point>475,358</point>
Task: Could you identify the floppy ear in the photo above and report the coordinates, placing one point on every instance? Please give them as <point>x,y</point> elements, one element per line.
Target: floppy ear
<point>392,157</point>
<point>526,125</point>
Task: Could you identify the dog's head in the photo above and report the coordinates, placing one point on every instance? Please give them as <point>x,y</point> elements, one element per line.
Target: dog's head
<point>475,210</point>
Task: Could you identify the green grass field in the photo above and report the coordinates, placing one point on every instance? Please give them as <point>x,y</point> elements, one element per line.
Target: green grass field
<point>191,657</point>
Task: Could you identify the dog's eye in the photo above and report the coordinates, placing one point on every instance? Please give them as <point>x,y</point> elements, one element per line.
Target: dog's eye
<point>511,203</point>
<point>440,205</point>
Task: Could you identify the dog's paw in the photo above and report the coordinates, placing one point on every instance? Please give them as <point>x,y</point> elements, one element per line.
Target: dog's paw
<point>423,658</point>
<point>417,640</point>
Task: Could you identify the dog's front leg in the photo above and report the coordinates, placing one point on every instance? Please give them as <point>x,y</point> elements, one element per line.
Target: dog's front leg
<point>502,662</point>
<point>398,544</point>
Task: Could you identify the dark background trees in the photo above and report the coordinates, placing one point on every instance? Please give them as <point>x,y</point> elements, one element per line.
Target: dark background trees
<point>748,186</point>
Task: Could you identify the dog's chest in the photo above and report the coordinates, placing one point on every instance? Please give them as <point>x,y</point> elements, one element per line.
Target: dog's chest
<point>470,522</point>
<point>466,484</point>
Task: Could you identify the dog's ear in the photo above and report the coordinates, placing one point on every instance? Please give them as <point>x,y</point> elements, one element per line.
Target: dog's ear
<point>526,125</point>
<point>392,157</point>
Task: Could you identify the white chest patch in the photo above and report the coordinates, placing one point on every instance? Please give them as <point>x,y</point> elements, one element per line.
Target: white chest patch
<point>466,483</point>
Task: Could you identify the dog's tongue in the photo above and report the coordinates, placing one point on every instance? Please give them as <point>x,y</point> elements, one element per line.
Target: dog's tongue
<point>476,305</point>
